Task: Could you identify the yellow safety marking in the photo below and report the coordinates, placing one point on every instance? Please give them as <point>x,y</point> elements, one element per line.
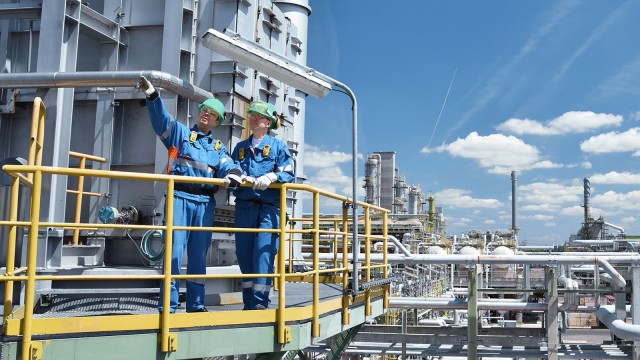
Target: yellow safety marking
<point>35,348</point>
<point>193,136</point>
<point>287,334</point>
<point>241,153</point>
<point>91,324</point>
<point>265,150</point>
<point>173,342</point>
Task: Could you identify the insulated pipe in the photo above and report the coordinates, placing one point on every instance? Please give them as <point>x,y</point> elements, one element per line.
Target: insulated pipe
<point>459,304</point>
<point>104,79</point>
<point>614,226</point>
<point>401,247</point>
<point>618,327</point>
<point>570,298</point>
<point>498,259</point>
<point>593,242</point>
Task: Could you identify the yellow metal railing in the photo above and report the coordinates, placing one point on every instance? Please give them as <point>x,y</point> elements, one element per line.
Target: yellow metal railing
<point>168,340</point>
<point>22,323</point>
<point>80,191</point>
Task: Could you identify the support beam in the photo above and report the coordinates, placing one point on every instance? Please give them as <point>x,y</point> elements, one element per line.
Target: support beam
<point>341,342</point>
<point>551,322</point>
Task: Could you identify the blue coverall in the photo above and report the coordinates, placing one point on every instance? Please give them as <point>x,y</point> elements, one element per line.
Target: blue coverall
<point>259,209</point>
<point>191,153</point>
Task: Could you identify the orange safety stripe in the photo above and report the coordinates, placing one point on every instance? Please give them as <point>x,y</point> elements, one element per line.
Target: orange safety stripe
<point>173,154</point>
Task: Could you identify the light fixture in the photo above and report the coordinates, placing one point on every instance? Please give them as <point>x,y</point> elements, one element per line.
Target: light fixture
<point>254,56</point>
<point>302,78</point>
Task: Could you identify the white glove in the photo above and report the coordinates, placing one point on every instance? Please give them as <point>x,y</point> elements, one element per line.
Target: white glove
<point>248,179</point>
<point>145,86</point>
<point>264,181</point>
<point>233,178</point>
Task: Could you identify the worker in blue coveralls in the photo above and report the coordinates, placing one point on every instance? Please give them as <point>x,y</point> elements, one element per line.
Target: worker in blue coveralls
<point>264,160</point>
<point>192,152</point>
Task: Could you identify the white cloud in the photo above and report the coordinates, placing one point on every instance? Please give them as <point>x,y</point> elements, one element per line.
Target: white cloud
<point>615,200</point>
<point>323,170</point>
<point>541,207</point>
<point>542,195</point>
<point>498,153</point>
<point>550,224</point>
<point>575,210</point>
<point>459,198</point>
<point>568,123</point>
<point>586,165</point>
<point>611,142</point>
<point>540,217</point>
<point>615,177</point>
<point>489,222</point>
<point>629,220</point>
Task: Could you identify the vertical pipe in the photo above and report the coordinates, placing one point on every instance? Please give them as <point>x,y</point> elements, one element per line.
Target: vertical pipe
<point>635,308</point>
<point>32,252</point>
<point>552,313</point>
<point>514,180</point>
<point>315,332</point>
<point>166,281</point>
<point>472,313</point>
<point>367,259</point>
<point>345,265</point>
<point>404,334</point>
<point>385,235</point>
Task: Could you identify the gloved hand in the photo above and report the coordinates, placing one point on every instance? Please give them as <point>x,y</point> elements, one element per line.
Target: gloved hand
<point>264,181</point>
<point>233,178</point>
<point>145,86</point>
<point>248,179</point>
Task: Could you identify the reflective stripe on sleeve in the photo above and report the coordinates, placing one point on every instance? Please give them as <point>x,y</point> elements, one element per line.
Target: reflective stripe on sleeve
<point>286,168</point>
<point>167,132</point>
<point>190,163</point>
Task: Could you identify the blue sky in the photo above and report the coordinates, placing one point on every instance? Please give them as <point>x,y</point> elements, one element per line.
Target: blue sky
<point>550,89</point>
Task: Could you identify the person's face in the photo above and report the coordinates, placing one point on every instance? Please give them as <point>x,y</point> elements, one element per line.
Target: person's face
<point>207,119</point>
<point>258,122</point>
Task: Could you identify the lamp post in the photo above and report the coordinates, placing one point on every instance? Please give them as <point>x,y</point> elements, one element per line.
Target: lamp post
<point>300,77</point>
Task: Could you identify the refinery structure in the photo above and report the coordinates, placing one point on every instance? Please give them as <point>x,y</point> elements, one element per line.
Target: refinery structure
<point>83,211</point>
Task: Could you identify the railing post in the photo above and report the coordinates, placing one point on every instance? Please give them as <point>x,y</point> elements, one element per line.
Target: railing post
<point>472,312</point>
<point>284,335</point>
<point>168,342</point>
<point>11,248</point>
<point>76,231</point>
<point>32,252</point>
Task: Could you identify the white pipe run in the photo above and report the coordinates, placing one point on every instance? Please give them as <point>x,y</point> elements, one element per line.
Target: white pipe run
<point>459,304</point>
<point>399,245</point>
<point>103,79</point>
<point>618,327</point>
<point>469,260</point>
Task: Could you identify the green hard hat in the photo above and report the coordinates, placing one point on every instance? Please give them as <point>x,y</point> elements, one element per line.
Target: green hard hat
<point>216,105</point>
<point>267,110</point>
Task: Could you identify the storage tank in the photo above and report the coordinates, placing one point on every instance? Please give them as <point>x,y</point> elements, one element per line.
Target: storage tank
<point>468,250</point>
<point>435,250</point>
<point>502,251</point>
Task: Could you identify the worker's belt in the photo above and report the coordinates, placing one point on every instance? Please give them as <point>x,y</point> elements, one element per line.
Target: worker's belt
<point>194,189</point>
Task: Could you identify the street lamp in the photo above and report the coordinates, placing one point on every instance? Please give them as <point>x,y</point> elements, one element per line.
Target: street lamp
<point>300,77</point>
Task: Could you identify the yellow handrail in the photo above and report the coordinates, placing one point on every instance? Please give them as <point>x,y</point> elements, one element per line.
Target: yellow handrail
<point>168,340</point>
